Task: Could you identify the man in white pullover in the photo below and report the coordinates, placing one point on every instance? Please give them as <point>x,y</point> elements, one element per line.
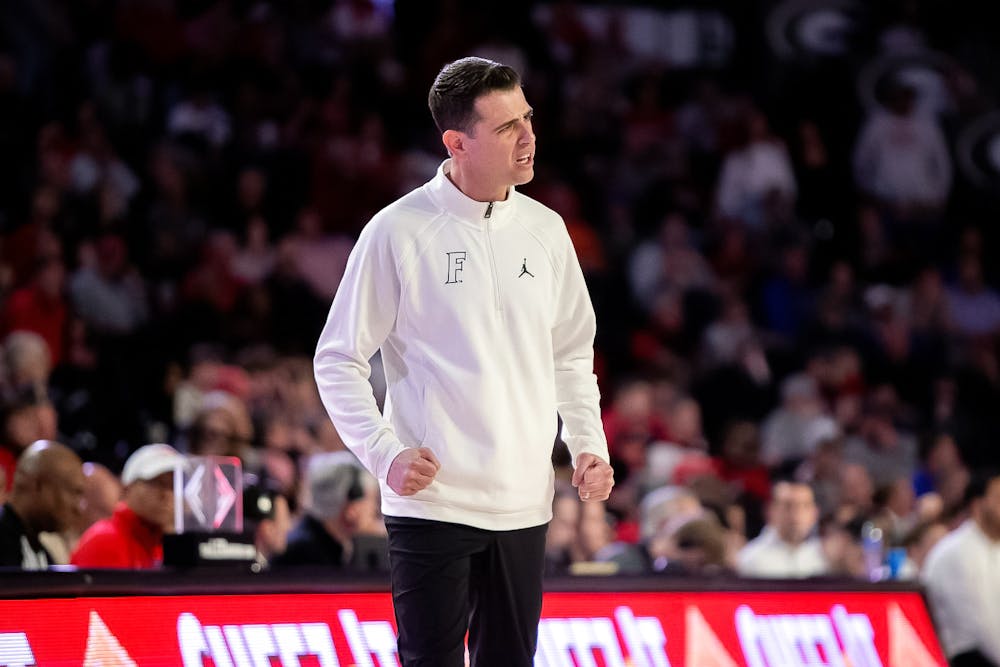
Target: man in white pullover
<point>962,576</point>
<point>474,295</point>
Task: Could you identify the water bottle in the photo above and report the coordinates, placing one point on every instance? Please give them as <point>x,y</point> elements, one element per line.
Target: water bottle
<point>895,560</point>
<point>873,547</point>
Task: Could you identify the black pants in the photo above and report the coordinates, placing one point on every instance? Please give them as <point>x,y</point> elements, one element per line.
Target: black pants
<point>448,578</point>
<point>971,659</point>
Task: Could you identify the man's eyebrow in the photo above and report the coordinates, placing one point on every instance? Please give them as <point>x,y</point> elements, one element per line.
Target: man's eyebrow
<point>527,114</point>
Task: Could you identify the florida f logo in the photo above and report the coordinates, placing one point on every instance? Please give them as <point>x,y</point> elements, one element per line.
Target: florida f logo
<point>455,262</point>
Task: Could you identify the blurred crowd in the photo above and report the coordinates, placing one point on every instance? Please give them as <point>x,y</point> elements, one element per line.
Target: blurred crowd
<point>798,322</point>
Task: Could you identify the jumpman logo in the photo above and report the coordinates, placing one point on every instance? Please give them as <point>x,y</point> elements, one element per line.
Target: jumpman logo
<point>524,269</point>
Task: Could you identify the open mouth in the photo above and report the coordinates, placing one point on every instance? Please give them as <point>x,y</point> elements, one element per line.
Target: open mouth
<point>525,159</point>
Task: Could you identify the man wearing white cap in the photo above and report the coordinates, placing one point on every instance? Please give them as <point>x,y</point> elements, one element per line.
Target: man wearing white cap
<point>132,538</point>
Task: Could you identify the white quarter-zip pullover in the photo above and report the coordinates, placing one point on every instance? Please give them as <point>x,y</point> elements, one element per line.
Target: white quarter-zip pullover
<point>962,576</point>
<point>486,330</point>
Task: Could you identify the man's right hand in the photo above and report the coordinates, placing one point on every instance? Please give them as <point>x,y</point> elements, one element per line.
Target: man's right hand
<point>413,469</point>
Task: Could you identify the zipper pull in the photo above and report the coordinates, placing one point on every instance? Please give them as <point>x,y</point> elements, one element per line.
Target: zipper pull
<point>489,211</point>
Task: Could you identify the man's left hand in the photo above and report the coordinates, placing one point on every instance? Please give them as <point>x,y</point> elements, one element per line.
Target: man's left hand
<point>593,478</point>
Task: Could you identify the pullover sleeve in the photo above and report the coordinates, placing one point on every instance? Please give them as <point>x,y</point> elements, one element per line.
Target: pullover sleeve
<point>577,395</point>
<point>361,317</point>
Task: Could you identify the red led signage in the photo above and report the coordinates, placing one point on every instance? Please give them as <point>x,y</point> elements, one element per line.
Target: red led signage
<point>698,629</point>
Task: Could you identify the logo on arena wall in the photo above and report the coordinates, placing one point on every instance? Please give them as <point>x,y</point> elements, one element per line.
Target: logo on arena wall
<point>246,645</point>
<point>643,641</point>
<point>820,28</point>
<point>977,151</point>
<point>15,650</point>
<point>103,648</point>
<point>837,639</point>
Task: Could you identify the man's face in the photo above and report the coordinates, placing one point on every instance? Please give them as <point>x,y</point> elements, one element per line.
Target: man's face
<point>501,145</point>
<point>102,491</point>
<point>218,434</point>
<point>65,495</point>
<point>793,512</point>
<point>153,500</point>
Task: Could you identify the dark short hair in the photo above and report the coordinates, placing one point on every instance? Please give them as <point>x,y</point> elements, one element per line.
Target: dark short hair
<point>452,98</point>
<point>791,480</point>
<point>979,483</point>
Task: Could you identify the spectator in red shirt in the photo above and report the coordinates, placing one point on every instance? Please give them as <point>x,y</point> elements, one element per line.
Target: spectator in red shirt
<point>133,537</point>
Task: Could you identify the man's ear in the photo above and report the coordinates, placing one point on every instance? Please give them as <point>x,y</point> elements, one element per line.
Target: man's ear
<point>454,141</point>
<point>352,512</point>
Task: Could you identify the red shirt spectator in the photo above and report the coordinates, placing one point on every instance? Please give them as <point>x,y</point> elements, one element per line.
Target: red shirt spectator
<point>125,541</point>
<point>133,536</point>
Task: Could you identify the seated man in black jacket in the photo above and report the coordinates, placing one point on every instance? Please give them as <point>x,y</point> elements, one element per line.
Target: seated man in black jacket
<point>340,526</point>
<point>47,496</point>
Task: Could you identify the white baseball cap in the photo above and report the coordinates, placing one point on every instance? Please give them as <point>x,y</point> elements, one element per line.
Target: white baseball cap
<point>151,461</point>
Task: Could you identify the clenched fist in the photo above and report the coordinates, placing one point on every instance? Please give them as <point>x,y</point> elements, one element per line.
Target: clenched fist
<point>593,478</point>
<point>413,469</point>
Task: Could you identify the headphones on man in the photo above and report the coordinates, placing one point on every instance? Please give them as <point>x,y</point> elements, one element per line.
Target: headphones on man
<point>356,491</point>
